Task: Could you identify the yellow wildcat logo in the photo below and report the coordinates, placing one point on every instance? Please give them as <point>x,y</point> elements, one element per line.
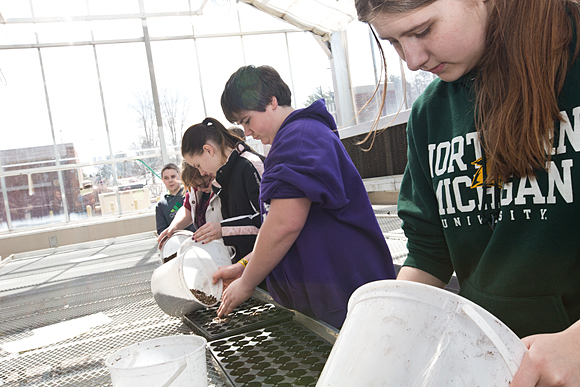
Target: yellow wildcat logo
<point>477,180</point>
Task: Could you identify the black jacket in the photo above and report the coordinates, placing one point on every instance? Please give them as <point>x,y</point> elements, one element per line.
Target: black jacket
<point>238,187</point>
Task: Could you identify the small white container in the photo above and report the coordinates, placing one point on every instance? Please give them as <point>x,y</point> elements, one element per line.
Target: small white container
<point>174,361</point>
<point>402,333</point>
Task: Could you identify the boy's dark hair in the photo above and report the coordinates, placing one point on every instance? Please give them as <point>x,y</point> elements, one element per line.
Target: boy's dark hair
<point>252,88</point>
<point>170,166</point>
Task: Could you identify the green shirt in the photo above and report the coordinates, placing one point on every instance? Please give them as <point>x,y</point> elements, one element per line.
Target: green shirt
<point>527,270</point>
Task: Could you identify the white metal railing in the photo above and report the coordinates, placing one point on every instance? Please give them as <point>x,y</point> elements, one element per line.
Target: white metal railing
<point>385,122</point>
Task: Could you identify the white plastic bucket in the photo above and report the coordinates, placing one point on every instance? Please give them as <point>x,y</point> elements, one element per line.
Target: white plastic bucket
<point>402,333</point>
<point>172,283</point>
<point>216,249</point>
<point>167,361</point>
<point>172,244</point>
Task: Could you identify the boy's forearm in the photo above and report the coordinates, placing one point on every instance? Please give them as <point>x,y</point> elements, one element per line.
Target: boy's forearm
<point>277,235</point>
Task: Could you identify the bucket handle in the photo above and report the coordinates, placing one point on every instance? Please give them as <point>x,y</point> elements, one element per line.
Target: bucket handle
<point>182,367</point>
<point>495,339</point>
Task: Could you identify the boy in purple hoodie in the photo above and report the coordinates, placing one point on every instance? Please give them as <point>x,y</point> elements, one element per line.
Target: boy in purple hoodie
<point>320,239</point>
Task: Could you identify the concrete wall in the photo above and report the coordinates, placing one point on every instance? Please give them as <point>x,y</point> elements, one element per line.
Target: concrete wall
<point>24,241</point>
<point>383,198</point>
<point>383,190</point>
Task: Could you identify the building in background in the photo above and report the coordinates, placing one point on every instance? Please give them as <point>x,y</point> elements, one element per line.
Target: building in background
<point>39,194</point>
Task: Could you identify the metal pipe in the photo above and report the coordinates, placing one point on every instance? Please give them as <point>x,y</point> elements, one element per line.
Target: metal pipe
<point>154,91</point>
<point>54,144</point>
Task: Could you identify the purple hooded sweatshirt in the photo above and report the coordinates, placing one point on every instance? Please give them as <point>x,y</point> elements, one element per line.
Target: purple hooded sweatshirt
<point>341,246</point>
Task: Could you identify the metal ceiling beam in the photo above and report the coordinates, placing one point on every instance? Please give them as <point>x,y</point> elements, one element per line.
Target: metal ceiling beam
<point>60,19</point>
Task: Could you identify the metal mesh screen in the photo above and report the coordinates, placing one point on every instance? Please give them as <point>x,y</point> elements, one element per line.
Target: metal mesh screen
<point>387,157</point>
<point>48,287</point>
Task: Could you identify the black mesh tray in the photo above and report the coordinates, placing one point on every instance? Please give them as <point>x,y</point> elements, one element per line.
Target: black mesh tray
<point>282,355</point>
<point>250,315</point>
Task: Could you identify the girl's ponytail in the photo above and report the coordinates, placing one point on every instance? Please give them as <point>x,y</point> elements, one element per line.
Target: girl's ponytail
<point>209,130</point>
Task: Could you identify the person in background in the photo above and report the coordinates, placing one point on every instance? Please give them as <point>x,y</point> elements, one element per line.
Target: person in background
<point>491,185</point>
<point>201,204</point>
<point>171,202</point>
<point>88,197</point>
<point>237,131</point>
<point>218,154</point>
<point>320,239</point>
<point>55,203</point>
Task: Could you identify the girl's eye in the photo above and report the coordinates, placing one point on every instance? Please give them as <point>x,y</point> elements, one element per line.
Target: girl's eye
<point>424,32</point>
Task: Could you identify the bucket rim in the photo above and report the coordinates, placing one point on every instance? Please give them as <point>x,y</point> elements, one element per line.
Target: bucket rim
<point>381,288</point>
<point>178,233</point>
<point>182,232</point>
<point>111,364</point>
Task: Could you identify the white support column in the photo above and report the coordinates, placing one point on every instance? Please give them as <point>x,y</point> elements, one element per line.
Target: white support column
<point>154,91</point>
<point>345,110</point>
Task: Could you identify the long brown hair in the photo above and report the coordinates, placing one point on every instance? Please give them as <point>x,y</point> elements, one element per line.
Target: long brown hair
<point>519,77</point>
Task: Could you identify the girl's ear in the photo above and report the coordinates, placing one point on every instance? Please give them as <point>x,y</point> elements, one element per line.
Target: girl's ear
<point>209,149</point>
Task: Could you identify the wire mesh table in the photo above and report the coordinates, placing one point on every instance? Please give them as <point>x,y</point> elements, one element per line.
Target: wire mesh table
<point>50,286</point>
<point>112,277</point>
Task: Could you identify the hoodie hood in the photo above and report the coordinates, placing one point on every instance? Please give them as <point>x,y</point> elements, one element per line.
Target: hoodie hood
<point>315,111</point>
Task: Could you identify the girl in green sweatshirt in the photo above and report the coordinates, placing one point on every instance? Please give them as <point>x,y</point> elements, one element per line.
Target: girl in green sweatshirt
<point>492,186</point>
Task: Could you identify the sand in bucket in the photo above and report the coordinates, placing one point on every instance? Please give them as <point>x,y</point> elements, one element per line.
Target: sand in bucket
<point>184,284</point>
<point>175,361</point>
<point>402,333</point>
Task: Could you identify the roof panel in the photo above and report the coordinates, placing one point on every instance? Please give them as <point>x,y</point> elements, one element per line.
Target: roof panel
<point>321,17</point>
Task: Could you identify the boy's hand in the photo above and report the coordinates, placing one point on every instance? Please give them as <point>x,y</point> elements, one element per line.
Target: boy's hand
<point>228,274</point>
<point>236,293</point>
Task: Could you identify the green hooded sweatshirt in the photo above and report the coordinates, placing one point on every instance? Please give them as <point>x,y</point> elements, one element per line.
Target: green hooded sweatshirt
<point>526,271</point>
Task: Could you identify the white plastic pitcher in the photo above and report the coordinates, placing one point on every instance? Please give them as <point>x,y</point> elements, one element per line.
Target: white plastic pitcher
<point>174,361</point>
<point>402,333</point>
<point>172,283</point>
